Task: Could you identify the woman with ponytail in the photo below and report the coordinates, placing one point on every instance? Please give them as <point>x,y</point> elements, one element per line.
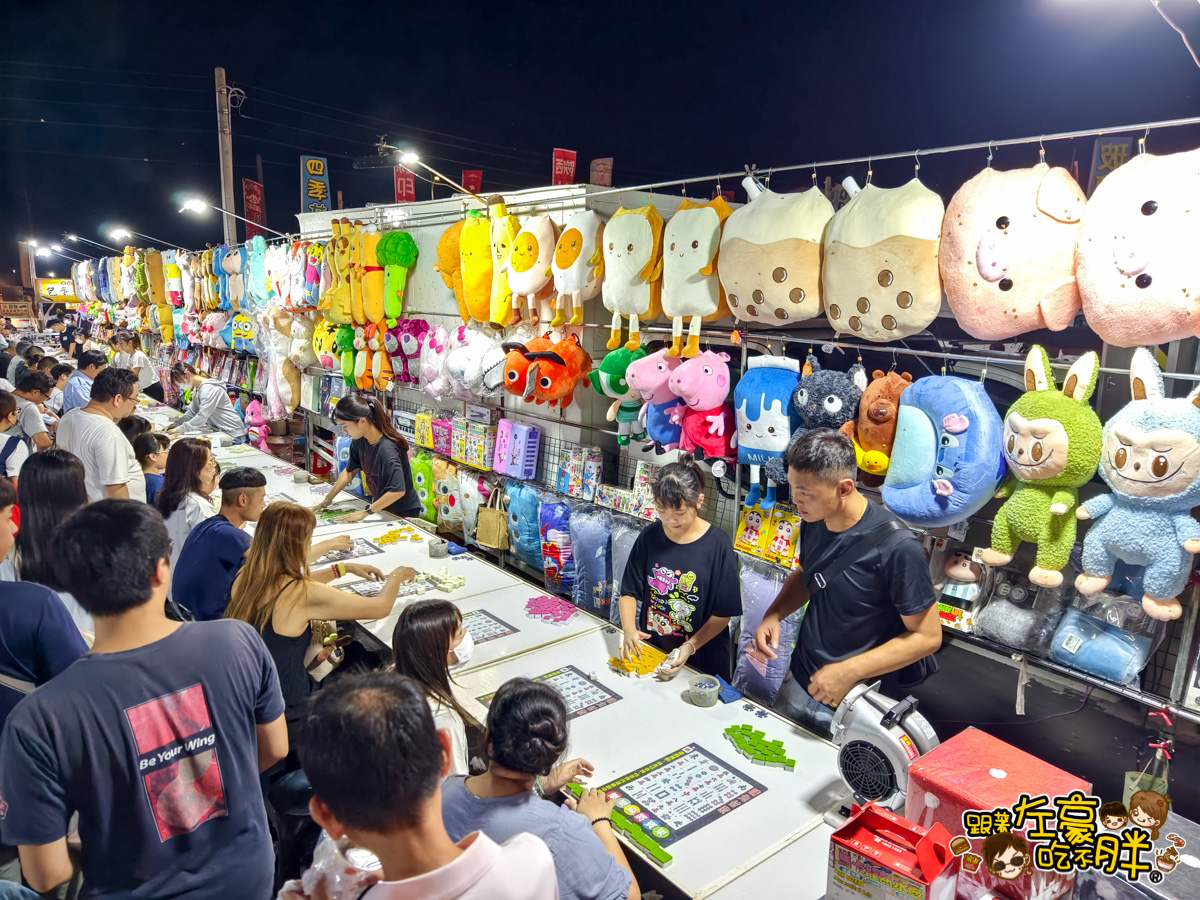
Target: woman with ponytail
<point>381,452</point>
<point>210,409</point>
<point>526,736</point>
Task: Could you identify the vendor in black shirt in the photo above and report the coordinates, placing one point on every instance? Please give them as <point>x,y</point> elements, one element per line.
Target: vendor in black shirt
<point>67,337</point>
<point>381,452</point>
<point>683,573</point>
<point>876,618</point>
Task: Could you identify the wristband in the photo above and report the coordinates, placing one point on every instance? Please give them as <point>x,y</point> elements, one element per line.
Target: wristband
<point>693,646</point>
<point>602,819</point>
<point>537,786</point>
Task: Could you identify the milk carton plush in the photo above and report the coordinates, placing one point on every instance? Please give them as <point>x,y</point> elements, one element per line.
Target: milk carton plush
<point>650,376</point>
<point>764,417</point>
<point>691,288</point>
<point>707,420</point>
<point>633,265</point>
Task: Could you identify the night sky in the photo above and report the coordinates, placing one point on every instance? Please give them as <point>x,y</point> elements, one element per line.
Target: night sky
<point>669,90</point>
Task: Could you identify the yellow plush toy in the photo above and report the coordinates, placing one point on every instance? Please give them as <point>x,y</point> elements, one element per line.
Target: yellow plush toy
<point>475,253</point>
<point>578,265</point>
<point>633,267</point>
<point>691,288</point>
<point>529,266</point>
<point>503,230</point>
<point>158,295</point>
<point>372,276</point>
<point>335,302</point>
<point>355,272</point>
<point>449,265</point>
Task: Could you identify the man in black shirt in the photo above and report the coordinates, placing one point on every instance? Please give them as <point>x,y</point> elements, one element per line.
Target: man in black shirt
<point>67,337</point>
<point>871,613</point>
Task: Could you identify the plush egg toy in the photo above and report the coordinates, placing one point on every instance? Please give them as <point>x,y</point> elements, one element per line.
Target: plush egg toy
<point>874,430</point>
<point>626,405</point>
<point>1051,443</point>
<point>650,376</point>
<point>578,265</point>
<point>1135,253</point>
<point>503,230</point>
<point>475,255</point>
<point>691,288</point>
<point>529,266</point>
<point>1008,251</point>
<point>770,264</point>
<point>1151,461</point>
<point>708,426</point>
<point>880,275</point>
<point>449,265</point>
<point>632,270</point>
<point>765,421</point>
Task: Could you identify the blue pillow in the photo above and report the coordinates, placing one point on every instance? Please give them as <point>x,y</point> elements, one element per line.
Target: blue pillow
<point>523,531</point>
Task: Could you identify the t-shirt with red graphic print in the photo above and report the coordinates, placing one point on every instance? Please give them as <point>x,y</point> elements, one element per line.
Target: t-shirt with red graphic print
<point>156,748</point>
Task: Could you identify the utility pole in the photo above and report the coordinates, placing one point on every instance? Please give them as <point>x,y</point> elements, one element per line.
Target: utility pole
<point>225,143</point>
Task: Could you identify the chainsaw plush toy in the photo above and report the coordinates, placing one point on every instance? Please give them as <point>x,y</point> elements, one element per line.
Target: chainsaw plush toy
<point>517,363</point>
<point>475,254</point>
<point>578,265</point>
<point>1052,445</point>
<point>874,430</point>
<point>633,264</point>
<point>691,287</point>
<point>611,382</point>
<point>529,266</point>
<point>554,374</point>
<point>503,230</point>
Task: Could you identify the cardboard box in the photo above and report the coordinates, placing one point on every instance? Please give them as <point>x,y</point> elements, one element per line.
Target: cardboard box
<point>975,771</point>
<point>484,415</point>
<point>878,854</point>
<point>481,445</point>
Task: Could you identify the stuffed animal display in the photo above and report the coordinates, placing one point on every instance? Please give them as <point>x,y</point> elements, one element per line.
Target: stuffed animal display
<point>434,380</point>
<point>475,255</point>
<point>517,363</point>
<point>503,231</point>
<point>823,398</point>
<point>650,376</point>
<point>1135,249</point>
<point>1051,443</point>
<point>874,430</point>
<point>880,276</point>
<point>765,418</point>
<point>1008,251</point>
<point>256,425</point>
<point>464,364</point>
<point>554,374</point>
<point>530,273</point>
<point>610,380</point>
<point>706,419</point>
<point>449,265</point>
<point>1151,461</point>
<point>691,287</point>
<point>422,473</point>
<point>578,265</point>
<point>770,264</point>
<point>633,264</point>
<point>403,342</point>
<point>397,253</point>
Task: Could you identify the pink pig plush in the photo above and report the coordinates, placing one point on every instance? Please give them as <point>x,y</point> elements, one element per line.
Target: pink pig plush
<point>650,376</point>
<point>708,424</point>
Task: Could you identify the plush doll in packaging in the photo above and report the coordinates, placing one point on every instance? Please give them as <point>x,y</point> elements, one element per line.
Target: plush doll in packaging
<point>765,419</point>
<point>503,231</point>
<point>691,288</point>
<point>362,360</point>
<point>233,263</point>
<point>770,263</point>
<point>1135,251</point>
<point>1151,461</point>
<point>824,398</point>
<point>708,426</point>
<point>324,343</point>
<point>578,265</point>
<point>397,253</point>
<point>1051,445</point>
<point>174,278</point>
<point>880,276</point>
<point>651,377</point>
<point>530,273</point>
<point>447,496</point>
<point>558,557</point>
<point>475,255</point>
<point>434,380</point>
<point>524,533</point>
<point>222,276</point>
<point>465,362</point>
<point>874,430</point>
<point>449,265</point>
<point>280,285</point>
<point>422,473</point>
<point>633,264</point>
<point>1008,251</point>
<point>403,341</point>
<point>300,352</point>
<point>611,382</point>
<point>313,258</point>
<point>254,274</point>
<point>256,425</point>
<point>555,373</point>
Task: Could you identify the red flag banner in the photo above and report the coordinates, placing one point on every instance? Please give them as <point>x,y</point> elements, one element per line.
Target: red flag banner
<point>406,185</point>
<point>472,180</point>
<point>728,195</point>
<point>252,202</point>
<point>564,166</point>
<point>601,172</point>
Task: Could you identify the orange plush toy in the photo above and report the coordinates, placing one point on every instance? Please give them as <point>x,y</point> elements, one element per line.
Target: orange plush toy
<point>516,365</point>
<point>554,373</point>
<point>874,430</point>
<point>449,265</point>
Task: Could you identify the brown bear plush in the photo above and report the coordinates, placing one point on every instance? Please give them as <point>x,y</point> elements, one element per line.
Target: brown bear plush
<point>875,428</point>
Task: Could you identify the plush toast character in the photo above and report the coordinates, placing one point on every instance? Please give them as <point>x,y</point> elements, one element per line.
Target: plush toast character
<point>578,265</point>
<point>529,266</point>
<point>633,266</point>
<point>874,430</point>
<point>691,287</point>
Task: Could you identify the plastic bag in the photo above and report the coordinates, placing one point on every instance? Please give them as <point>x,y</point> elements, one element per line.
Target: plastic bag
<point>448,497</point>
<point>591,530</point>
<point>1020,614</point>
<point>624,532</point>
<point>1107,635</point>
<point>434,380</point>
<point>524,532</point>
<point>761,678</point>
<point>558,555</point>
<point>339,868</point>
<point>475,490</point>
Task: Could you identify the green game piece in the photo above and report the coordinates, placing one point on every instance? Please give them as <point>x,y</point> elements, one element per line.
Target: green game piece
<point>757,735</point>
<point>789,765</point>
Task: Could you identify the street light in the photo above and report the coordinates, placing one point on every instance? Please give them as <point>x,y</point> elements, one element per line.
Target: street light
<point>120,234</point>
<point>198,206</point>
<point>41,251</point>
<point>410,159</point>
<point>75,238</point>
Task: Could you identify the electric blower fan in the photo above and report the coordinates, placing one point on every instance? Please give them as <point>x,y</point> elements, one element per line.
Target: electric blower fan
<point>879,738</point>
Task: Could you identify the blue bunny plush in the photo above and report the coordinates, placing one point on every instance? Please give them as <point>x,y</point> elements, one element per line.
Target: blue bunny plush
<point>824,398</point>
<point>1151,460</point>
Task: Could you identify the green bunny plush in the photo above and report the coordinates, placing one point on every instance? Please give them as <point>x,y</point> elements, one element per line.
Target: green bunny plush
<point>1052,446</point>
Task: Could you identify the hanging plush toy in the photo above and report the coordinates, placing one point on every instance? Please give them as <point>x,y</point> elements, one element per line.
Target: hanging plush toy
<point>358,310</point>
<point>626,405</point>
<point>234,263</point>
<point>218,268</point>
<point>578,265</point>
<point>287,374</point>
<point>243,334</point>
<point>314,256</point>
<point>404,341</point>
<point>344,341</point>
<point>475,254</point>
<point>1051,445</point>
<point>765,418</point>
<point>633,264</point>
<point>1135,251</point>
<point>1151,461</point>
<point>297,262</point>
<point>880,275</point>
<point>770,263</point>
<point>434,380</point>
<point>464,365</point>
<point>447,496</point>
<point>335,302</point>
<point>530,273</point>
<point>372,276</point>
<point>173,276</point>
<point>256,425</point>
<point>874,430</point>
<point>422,473</point>
<point>362,360</point>
<point>709,427</point>
<point>517,364</point>
<point>691,288</point>
<point>503,231</point>
<point>381,362</point>
<point>651,377</point>
<point>254,273</point>
<point>449,265</point>
<point>524,535</point>
<point>300,351</point>
<point>1008,251</point>
<point>397,254</point>
<point>554,374</point>
<point>324,343</point>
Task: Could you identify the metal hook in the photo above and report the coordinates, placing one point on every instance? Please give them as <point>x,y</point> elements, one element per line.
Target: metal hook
<point>870,171</point>
<point>769,171</point>
<point>1041,149</point>
<point>917,167</point>
<point>814,174</point>
<point>983,374</point>
<point>989,165</point>
<point>893,368</point>
<point>1142,142</point>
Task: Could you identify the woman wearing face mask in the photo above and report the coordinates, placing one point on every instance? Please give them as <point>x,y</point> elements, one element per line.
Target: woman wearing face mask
<point>428,643</point>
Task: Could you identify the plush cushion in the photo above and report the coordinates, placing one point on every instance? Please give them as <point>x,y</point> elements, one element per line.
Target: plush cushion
<point>762,401</point>
<point>690,283</point>
<point>591,528</point>
<point>529,264</point>
<point>633,263</point>
<point>558,558</point>
<point>524,533</point>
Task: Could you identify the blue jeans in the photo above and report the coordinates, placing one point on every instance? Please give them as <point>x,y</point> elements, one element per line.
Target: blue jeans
<point>794,702</point>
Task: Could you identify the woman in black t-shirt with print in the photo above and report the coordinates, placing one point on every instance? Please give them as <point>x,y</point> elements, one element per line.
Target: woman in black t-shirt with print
<point>381,452</point>
<point>684,573</point>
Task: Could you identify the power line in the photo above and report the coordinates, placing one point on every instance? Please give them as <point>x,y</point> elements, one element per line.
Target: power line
<point>149,87</point>
<point>17,62</point>
<point>187,109</point>
<point>108,125</point>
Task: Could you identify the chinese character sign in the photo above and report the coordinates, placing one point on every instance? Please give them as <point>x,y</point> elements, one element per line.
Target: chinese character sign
<point>406,185</point>
<point>601,172</point>
<point>564,166</point>
<point>252,201</point>
<point>1108,154</point>
<point>314,184</point>
<point>472,180</point>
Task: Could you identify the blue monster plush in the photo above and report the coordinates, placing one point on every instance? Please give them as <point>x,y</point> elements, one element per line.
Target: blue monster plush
<point>824,398</point>
<point>765,417</point>
<point>523,532</point>
<point>1151,460</point>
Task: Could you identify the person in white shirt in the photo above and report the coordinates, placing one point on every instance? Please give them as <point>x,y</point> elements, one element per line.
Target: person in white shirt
<point>375,761</point>
<point>135,358</point>
<point>91,433</point>
<point>33,389</point>
<point>13,449</point>
<point>185,498</point>
<point>61,374</point>
<point>210,409</point>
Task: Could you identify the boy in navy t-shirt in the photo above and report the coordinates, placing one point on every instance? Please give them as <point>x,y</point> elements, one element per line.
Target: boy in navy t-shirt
<point>156,738</point>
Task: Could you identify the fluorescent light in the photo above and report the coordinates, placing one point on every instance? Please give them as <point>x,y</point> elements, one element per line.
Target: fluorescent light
<point>409,158</point>
<point>196,206</point>
<point>31,242</point>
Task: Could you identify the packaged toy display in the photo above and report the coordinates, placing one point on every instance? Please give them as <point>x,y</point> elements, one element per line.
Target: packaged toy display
<point>503,440</point>
<point>529,266</point>
<point>443,435</point>
<point>633,265</point>
<point>1150,461</point>
<point>758,677</point>
<point>754,531</point>
<point>765,418</point>
<point>578,265</point>
<point>1008,251</point>
<point>423,429</point>
<point>524,534</point>
<point>708,425</point>
<point>961,581</point>
<point>1051,443</point>
<point>626,405</point>
<point>591,529</point>
<point>523,450</point>
<point>480,445</point>
<point>877,853</point>
<point>1107,635</point>
<point>558,558</point>
<point>1018,613</point>
<point>691,288</point>
<point>650,377</point>
<point>874,430</point>
<point>458,439</point>
<point>783,546</point>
